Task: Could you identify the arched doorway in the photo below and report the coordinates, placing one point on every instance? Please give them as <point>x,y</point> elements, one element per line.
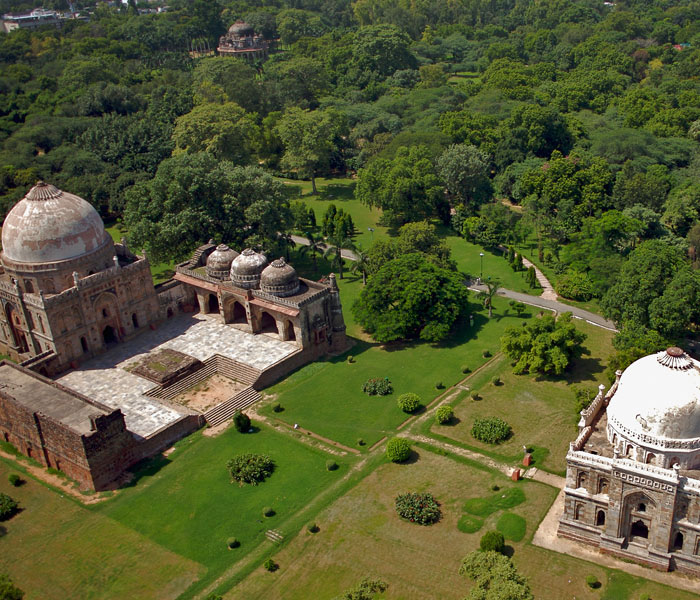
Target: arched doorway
<point>239,315</point>
<point>268,323</point>
<point>109,335</point>
<point>678,541</point>
<point>84,345</point>
<point>15,322</point>
<point>650,458</point>
<point>639,530</point>
<point>135,320</point>
<point>213,304</point>
<point>289,331</point>
<point>600,518</point>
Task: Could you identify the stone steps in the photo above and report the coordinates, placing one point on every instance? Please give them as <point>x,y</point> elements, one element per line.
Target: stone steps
<point>274,535</point>
<point>228,408</point>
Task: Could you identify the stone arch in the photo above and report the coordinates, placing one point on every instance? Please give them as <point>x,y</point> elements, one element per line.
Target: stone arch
<point>268,324</point>
<point>213,304</point>
<point>577,512</point>
<point>238,313</point>
<point>84,345</point>
<point>603,485</point>
<point>14,320</point>
<point>29,286</point>
<point>651,457</point>
<point>638,512</point>
<point>581,479</point>
<point>106,306</point>
<point>289,331</point>
<point>135,320</point>
<point>600,518</point>
<point>109,335</point>
<point>678,541</point>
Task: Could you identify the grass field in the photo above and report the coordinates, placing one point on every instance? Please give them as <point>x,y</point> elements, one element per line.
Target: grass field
<point>326,396</point>
<point>541,410</point>
<point>190,507</point>
<point>361,535</point>
<point>56,549</point>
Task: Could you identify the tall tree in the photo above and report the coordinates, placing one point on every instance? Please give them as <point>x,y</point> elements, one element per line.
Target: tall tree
<point>464,172</point>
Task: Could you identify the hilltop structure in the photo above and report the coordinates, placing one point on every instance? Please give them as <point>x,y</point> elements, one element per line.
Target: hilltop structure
<point>75,305</point>
<point>241,40</point>
<point>633,473</point>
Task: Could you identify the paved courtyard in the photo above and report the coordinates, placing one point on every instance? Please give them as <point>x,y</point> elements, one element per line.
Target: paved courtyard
<point>104,379</point>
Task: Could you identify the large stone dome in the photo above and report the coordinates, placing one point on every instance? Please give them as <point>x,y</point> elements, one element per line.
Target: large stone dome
<point>240,28</point>
<point>219,261</point>
<point>49,225</point>
<point>279,279</point>
<point>658,399</point>
<point>246,268</point>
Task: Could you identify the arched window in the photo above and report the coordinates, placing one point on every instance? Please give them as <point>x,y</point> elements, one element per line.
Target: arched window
<point>651,457</point>
<point>577,512</point>
<point>641,507</point>
<point>28,286</point>
<point>84,344</point>
<point>135,320</point>
<point>600,518</point>
<point>678,541</point>
<point>105,313</point>
<point>602,485</point>
<point>581,481</point>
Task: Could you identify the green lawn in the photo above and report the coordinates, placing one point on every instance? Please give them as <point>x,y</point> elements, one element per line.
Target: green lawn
<point>190,507</point>
<point>326,396</point>
<point>56,549</point>
<point>541,410</point>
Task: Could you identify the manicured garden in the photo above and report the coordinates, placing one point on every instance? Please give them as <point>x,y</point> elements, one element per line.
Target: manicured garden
<point>56,549</point>
<point>326,396</point>
<point>191,507</point>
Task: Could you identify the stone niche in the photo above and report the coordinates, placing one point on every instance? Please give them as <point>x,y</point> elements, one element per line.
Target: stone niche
<point>165,367</point>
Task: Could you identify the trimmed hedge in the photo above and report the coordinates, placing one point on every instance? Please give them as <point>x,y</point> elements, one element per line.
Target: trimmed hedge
<point>409,402</point>
<point>250,468</point>
<point>398,450</point>
<point>418,508</point>
<point>491,430</point>
<point>444,414</point>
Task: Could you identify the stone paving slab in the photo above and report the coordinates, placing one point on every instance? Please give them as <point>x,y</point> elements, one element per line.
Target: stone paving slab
<point>201,336</point>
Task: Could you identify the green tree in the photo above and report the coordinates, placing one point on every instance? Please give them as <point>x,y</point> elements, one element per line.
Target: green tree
<point>495,577</point>
<point>361,263</point>
<point>336,245</point>
<point>398,449</point>
<point>464,172</point>
<point>365,590</point>
<point>486,296</point>
<point>411,298</point>
<point>377,52</point>
<point>309,138</point>
<point>8,590</point>
<point>225,131</point>
<point>546,345</point>
<point>492,541</point>
<point>235,79</point>
<point>315,247</point>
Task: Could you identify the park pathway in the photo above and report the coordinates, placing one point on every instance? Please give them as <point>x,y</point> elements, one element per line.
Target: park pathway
<point>548,299</point>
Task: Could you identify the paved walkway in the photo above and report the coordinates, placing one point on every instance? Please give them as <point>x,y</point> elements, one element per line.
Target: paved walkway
<point>548,292</point>
<point>104,378</point>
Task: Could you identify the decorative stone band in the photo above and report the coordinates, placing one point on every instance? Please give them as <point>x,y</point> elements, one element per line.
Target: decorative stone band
<point>646,482</point>
<point>650,440</point>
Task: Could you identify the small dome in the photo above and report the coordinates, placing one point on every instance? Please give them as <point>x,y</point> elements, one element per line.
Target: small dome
<point>49,225</point>
<point>246,268</point>
<point>279,279</point>
<point>659,396</point>
<point>219,261</point>
<point>240,28</point>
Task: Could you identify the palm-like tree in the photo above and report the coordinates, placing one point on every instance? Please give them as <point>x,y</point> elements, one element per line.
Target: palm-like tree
<point>361,263</point>
<point>287,240</point>
<point>315,246</point>
<point>492,287</point>
<point>336,245</point>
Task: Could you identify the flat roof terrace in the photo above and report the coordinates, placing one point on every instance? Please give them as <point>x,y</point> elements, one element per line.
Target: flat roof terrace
<point>47,398</point>
<point>105,379</point>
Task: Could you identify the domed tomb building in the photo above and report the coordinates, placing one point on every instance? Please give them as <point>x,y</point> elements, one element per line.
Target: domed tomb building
<point>633,473</point>
<point>67,291</point>
<point>242,41</point>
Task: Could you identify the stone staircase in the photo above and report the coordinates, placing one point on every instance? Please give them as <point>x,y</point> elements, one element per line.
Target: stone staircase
<point>228,408</point>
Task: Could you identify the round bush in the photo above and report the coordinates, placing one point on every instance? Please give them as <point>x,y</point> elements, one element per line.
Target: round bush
<point>250,468</point>
<point>496,381</point>
<point>466,369</point>
<point>8,507</point>
<point>277,407</point>
<point>398,450</point>
<point>444,414</point>
<point>418,508</point>
<point>331,465</point>
<point>351,359</point>
<point>492,541</point>
<point>486,353</point>
<point>14,479</point>
<point>270,565</point>
<point>439,385</point>
<point>592,582</point>
<point>312,528</point>
<point>232,542</point>
<point>268,511</point>
<point>360,442</point>
<point>241,422</point>
<point>409,403</point>
<point>377,386</point>
<point>474,397</point>
<point>491,430</point>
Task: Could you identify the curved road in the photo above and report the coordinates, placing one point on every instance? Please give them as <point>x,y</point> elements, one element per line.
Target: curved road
<point>538,301</point>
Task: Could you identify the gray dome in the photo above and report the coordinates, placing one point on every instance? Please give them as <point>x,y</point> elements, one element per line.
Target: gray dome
<point>279,279</point>
<point>240,28</point>
<point>246,268</point>
<point>219,261</point>
<point>49,225</point>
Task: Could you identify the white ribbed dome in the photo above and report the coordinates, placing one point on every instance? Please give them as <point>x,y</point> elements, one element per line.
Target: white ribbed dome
<point>49,225</point>
<point>659,396</point>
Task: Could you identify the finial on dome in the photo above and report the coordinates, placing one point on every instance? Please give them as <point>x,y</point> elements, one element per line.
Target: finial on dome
<point>674,358</point>
<point>43,191</point>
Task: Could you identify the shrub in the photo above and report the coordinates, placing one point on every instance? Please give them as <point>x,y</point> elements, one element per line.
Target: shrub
<point>474,396</point>
<point>466,369</point>
<point>496,381</point>
<point>268,511</point>
<point>8,590</point>
<point>418,508</point>
<point>398,449</point>
<point>241,422</point>
<point>14,479</point>
<point>491,430</point>
<point>495,488</point>
<point>439,385</point>
<point>312,528</point>
<point>232,542</point>
<point>584,398</point>
<point>360,442</point>
<point>351,358</point>
<point>331,465</point>
<point>444,414</point>
<point>250,468</point>
<point>492,541</point>
<point>277,407</point>
<point>270,565</point>
<point>377,386</point>
<point>575,286</point>
<point>409,403</point>
<point>486,353</point>
<point>8,507</point>
<point>592,582</point>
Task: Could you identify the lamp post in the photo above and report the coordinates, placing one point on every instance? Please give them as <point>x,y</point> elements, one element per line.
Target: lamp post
<point>481,255</point>
<point>371,233</point>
